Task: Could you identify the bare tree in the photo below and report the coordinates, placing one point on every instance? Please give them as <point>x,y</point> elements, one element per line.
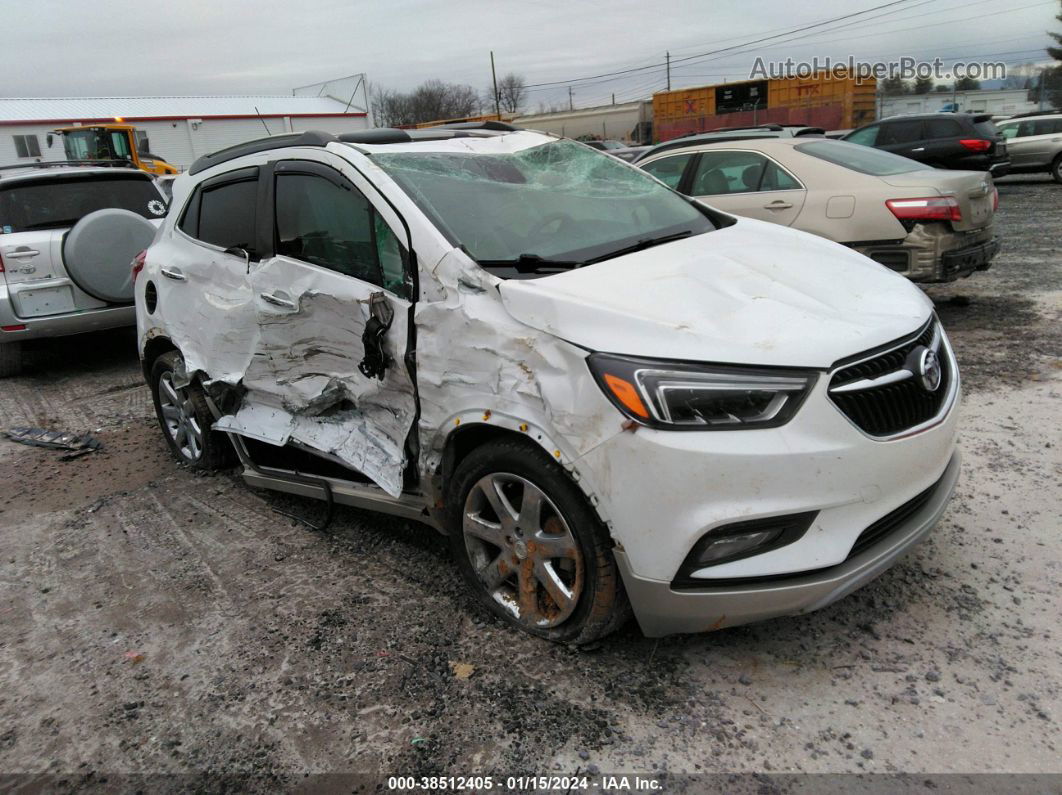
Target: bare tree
<point>433,100</point>
<point>511,92</point>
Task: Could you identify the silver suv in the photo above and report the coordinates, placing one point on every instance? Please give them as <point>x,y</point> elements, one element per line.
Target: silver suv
<point>1034,143</point>
<point>54,280</point>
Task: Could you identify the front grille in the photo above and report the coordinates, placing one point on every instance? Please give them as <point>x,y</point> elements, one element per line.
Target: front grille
<point>883,395</point>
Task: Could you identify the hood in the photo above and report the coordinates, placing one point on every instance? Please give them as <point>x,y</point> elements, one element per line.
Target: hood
<point>751,293</point>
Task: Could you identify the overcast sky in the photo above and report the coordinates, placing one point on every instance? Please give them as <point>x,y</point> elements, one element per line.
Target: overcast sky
<point>135,47</point>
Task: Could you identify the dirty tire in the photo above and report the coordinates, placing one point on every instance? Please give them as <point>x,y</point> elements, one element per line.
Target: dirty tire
<point>10,359</point>
<point>1056,169</point>
<point>211,450</point>
<point>590,600</point>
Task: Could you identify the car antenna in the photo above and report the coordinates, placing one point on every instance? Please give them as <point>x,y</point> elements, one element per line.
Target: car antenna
<point>262,119</point>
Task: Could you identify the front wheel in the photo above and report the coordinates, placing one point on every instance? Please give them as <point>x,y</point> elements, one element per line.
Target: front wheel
<point>530,545</point>
<point>185,419</point>
<point>1056,169</point>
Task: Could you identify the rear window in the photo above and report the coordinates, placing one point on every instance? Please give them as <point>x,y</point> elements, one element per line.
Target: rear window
<point>59,203</point>
<point>986,129</point>
<point>859,158</point>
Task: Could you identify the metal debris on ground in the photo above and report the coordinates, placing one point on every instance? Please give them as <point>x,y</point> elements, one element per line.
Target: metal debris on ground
<point>78,444</point>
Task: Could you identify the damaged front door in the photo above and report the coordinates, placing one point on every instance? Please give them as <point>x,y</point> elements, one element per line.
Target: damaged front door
<point>332,302</point>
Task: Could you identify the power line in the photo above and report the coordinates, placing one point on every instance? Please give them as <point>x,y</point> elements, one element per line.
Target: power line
<point>712,52</point>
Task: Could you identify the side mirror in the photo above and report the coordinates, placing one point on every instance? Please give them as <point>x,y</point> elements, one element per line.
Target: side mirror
<point>50,139</point>
<point>145,145</point>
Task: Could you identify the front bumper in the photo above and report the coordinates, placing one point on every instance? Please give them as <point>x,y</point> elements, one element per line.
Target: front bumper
<point>660,610</point>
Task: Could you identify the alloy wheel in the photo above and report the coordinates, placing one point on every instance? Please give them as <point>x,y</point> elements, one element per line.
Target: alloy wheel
<point>522,550</point>
<point>178,415</point>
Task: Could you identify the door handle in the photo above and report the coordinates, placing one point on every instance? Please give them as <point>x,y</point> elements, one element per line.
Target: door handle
<point>777,205</point>
<point>919,149</point>
<point>23,253</point>
<point>173,273</point>
<point>276,300</point>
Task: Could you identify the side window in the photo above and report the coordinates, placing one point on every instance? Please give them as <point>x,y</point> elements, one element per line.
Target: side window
<point>668,170</point>
<point>728,172</point>
<point>1008,131</point>
<point>1025,129</point>
<point>120,144</point>
<point>943,128</point>
<point>901,132</point>
<point>777,178</point>
<point>868,136</point>
<point>227,214</point>
<point>1047,126</point>
<point>27,146</point>
<point>334,226</point>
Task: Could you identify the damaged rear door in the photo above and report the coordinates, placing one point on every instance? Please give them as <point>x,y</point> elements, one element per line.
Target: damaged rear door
<point>332,300</point>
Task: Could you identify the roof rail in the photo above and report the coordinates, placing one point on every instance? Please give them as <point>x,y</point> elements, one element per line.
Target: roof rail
<point>308,138</point>
<point>381,135</point>
<point>498,126</point>
<point>62,163</point>
<point>753,127</point>
<point>1045,112</point>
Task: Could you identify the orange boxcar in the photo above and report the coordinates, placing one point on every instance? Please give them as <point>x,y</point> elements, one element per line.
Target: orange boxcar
<point>819,101</point>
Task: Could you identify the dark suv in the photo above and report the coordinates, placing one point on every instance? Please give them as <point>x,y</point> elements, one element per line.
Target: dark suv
<point>943,140</point>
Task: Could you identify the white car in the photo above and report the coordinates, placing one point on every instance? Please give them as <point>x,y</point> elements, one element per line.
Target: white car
<point>604,392</point>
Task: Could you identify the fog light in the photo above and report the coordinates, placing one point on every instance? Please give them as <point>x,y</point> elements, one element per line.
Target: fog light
<point>727,547</point>
<point>741,540</point>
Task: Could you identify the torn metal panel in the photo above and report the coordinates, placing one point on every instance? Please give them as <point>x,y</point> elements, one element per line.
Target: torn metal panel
<point>475,360</point>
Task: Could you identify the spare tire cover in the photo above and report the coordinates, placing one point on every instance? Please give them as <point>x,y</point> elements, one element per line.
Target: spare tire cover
<point>99,251</point>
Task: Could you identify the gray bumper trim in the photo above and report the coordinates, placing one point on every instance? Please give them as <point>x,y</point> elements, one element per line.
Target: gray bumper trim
<point>662,611</point>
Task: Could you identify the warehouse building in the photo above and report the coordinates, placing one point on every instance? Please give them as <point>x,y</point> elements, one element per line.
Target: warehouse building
<point>630,122</point>
<point>181,129</point>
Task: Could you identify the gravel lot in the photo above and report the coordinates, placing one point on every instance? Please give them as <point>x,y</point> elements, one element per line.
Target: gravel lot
<point>152,621</point>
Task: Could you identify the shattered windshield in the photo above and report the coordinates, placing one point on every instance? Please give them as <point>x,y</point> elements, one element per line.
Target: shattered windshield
<point>560,202</point>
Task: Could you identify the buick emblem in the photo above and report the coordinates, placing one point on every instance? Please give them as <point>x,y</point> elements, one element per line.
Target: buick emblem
<point>929,370</point>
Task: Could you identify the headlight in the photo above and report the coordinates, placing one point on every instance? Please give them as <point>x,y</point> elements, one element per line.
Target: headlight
<point>681,396</point>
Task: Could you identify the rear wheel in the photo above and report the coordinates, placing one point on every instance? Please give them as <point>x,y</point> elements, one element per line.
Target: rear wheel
<point>10,359</point>
<point>1056,169</point>
<point>185,419</point>
<point>530,545</point>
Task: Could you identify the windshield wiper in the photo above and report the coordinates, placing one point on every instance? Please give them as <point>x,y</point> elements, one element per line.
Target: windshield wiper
<point>530,263</point>
<point>644,243</point>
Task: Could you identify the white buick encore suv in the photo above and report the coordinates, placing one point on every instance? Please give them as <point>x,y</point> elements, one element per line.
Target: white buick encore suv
<point>611,397</point>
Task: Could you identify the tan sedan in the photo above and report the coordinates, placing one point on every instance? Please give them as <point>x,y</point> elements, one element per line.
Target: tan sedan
<point>932,225</point>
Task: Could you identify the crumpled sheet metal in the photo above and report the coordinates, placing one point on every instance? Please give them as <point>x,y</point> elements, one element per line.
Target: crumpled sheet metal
<point>473,357</point>
<point>299,367</point>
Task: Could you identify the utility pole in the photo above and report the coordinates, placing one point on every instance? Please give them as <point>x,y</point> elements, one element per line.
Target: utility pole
<point>668,56</point>
<point>1043,71</point>
<point>494,79</point>
<point>613,99</point>
<point>571,102</point>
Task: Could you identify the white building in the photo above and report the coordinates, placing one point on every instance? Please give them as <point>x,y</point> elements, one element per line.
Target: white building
<point>180,129</point>
<point>1002,102</point>
<point>619,122</point>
